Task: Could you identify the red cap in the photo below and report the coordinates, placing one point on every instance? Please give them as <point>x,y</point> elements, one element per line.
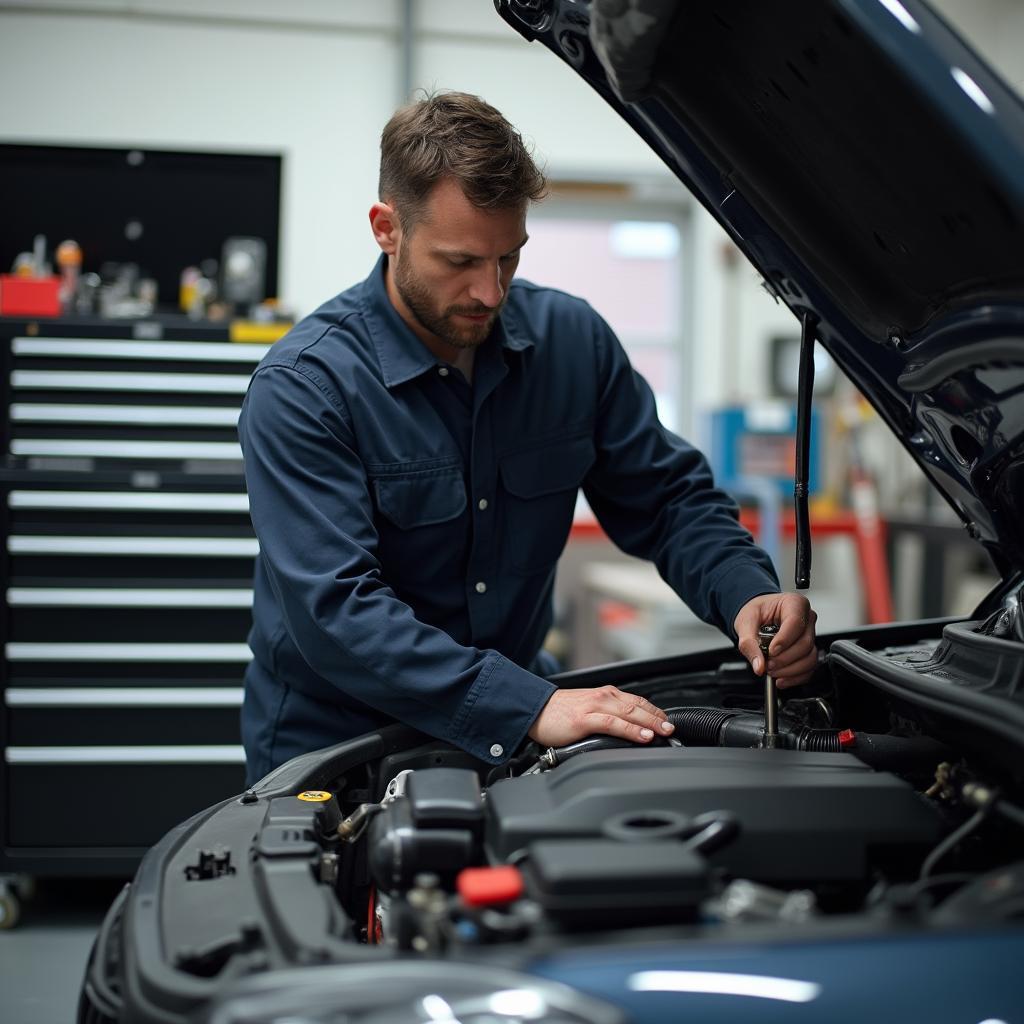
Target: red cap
<point>483,887</point>
<point>847,738</point>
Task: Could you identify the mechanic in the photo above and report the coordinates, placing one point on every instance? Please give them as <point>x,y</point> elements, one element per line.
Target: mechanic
<point>413,451</point>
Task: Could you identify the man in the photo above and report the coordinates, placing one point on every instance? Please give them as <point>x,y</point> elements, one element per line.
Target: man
<point>413,451</point>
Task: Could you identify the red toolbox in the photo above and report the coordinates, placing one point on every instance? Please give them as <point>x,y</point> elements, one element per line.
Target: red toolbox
<point>29,296</point>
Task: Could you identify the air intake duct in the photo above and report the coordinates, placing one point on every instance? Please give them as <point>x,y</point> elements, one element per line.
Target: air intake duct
<point>718,727</point>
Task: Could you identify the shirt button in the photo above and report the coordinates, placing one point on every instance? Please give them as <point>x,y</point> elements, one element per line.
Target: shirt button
<point>481,588</point>
<point>497,750</point>
<point>443,370</point>
<point>482,504</point>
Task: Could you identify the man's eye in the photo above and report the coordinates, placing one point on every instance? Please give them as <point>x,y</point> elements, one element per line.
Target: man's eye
<point>459,263</point>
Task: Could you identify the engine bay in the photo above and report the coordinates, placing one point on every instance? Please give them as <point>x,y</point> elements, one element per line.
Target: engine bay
<point>880,808</point>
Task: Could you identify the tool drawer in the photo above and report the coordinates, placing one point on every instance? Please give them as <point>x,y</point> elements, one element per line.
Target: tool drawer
<point>127,555</point>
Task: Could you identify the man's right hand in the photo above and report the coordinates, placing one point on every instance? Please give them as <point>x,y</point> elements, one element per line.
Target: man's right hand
<point>572,715</point>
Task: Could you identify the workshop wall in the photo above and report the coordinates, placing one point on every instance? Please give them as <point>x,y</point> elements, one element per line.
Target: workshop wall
<point>314,80</point>
<point>108,79</point>
<point>468,47</point>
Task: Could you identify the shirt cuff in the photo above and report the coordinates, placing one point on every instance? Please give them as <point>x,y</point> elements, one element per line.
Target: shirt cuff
<point>738,584</point>
<point>498,711</point>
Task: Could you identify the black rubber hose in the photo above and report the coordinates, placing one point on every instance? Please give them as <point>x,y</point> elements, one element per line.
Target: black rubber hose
<point>821,741</point>
<point>717,727</point>
<point>747,730</point>
<point>694,727</point>
<point>899,753</point>
<point>720,727</point>
<point>700,727</point>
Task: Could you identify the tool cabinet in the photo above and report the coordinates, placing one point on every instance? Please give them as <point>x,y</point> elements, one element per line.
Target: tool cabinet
<point>127,571</point>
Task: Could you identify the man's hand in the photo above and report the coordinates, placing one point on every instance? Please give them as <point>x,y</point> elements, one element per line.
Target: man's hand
<point>572,715</point>
<point>792,656</point>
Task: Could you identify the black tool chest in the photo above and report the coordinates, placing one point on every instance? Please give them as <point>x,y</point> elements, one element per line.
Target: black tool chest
<point>127,570</point>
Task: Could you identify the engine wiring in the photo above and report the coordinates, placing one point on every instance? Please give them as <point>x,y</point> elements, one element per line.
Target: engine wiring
<point>951,841</point>
<point>985,800</point>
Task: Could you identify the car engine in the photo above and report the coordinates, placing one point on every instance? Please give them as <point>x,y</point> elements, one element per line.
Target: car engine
<point>891,799</point>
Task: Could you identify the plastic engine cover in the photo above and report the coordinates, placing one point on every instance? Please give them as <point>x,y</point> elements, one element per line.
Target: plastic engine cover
<point>803,816</point>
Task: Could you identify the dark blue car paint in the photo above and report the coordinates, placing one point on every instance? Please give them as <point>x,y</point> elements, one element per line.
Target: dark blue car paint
<point>953,978</point>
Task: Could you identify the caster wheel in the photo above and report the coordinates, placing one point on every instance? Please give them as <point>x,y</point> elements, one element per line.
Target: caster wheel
<point>10,909</point>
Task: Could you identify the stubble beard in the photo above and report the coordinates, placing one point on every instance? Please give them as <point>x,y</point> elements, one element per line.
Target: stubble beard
<point>442,324</point>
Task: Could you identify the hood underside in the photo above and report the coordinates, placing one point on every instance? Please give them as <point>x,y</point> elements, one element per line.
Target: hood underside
<point>871,167</point>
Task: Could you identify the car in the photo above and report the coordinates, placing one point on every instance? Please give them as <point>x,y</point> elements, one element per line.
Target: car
<point>866,863</point>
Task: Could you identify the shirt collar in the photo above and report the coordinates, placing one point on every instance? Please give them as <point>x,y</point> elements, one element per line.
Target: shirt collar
<point>401,354</point>
<point>515,334</point>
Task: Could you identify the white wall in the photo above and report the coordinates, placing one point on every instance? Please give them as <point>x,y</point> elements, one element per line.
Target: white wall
<point>316,79</point>
<point>108,79</point>
<point>574,131</point>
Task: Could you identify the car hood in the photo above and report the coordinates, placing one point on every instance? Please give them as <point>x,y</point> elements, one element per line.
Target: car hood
<point>871,166</point>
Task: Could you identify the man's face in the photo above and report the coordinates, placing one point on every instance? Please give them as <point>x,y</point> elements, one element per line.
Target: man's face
<point>452,272</point>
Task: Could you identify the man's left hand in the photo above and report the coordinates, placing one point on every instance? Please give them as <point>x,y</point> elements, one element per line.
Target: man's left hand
<point>792,656</point>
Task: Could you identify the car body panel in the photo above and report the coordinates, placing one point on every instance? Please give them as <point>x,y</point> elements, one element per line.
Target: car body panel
<point>821,979</point>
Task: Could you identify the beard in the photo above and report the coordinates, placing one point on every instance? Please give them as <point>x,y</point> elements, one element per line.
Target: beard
<point>443,323</point>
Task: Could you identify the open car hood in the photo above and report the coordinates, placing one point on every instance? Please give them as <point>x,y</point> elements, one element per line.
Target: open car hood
<point>871,166</point>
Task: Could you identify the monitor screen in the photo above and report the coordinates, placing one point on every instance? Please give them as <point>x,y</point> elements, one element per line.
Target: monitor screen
<point>161,209</point>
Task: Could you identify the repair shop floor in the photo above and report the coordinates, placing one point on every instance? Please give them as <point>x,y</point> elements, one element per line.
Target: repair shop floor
<point>42,959</point>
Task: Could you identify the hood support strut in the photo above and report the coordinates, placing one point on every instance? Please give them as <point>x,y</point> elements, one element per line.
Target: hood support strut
<point>805,392</point>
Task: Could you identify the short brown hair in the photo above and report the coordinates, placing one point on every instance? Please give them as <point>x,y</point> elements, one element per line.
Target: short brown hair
<point>455,135</point>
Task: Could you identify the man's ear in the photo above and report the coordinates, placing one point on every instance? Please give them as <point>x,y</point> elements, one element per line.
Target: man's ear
<point>385,227</point>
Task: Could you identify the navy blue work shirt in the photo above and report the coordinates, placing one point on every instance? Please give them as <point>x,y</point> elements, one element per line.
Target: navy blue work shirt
<point>410,522</point>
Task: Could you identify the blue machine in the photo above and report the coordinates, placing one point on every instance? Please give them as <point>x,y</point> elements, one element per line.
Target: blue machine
<point>753,455</point>
<point>759,441</point>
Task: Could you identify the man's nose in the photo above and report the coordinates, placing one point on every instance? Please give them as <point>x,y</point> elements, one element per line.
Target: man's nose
<point>486,287</point>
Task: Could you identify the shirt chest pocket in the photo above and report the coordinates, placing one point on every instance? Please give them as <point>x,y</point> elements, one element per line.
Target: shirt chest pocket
<point>420,522</point>
<point>540,497</point>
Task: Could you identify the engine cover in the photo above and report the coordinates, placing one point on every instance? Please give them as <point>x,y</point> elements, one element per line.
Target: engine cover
<point>804,817</point>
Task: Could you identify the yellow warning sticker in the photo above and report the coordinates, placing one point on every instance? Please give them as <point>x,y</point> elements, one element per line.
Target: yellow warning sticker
<point>315,796</point>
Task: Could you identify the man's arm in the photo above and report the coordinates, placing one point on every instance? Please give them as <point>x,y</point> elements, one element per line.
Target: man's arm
<point>655,496</point>
<point>313,515</point>
<point>311,509</point>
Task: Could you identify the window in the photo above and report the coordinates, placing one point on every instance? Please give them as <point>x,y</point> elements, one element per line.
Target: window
<point>630,270</point>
